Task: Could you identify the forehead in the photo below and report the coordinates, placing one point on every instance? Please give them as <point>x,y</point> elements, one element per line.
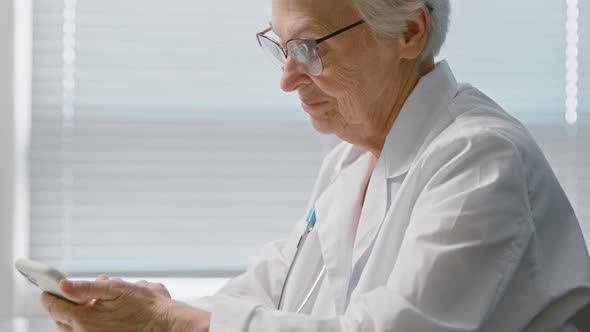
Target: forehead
<point>292,17</point>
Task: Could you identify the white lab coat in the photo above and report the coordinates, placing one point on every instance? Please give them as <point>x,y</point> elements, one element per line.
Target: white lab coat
<point>464,228</point>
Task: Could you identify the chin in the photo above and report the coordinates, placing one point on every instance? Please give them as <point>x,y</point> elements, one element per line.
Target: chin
<point>324,126</point>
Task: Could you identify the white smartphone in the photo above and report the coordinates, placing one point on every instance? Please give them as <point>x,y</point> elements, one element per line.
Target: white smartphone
<point>43,275</point>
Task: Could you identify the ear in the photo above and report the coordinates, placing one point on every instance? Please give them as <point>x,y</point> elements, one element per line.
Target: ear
<point>413,40</point>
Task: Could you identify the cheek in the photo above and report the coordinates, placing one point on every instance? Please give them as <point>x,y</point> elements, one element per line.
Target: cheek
<point>343,83</point>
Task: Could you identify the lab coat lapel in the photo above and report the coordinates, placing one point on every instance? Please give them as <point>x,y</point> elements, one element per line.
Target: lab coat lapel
<point>420,120</point>
<point>373,211</point>
<point>337,209</point>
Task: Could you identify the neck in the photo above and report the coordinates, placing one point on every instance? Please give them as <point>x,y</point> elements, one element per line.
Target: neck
<point>375,131</point>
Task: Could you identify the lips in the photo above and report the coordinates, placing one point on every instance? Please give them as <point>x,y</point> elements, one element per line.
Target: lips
<point>312,103</point>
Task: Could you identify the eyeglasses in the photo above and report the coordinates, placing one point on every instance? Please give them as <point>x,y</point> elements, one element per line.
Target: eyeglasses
<point>304,51</point>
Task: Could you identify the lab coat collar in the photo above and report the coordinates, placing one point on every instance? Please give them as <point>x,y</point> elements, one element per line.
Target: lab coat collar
<point>350,154</point>
<point>421,119</point>
<point>417,119</point>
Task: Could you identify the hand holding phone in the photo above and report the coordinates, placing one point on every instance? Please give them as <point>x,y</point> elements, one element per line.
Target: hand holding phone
<point>45,276</point>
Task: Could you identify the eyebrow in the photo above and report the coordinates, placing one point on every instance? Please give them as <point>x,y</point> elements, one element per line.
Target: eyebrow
<point>313,26</point>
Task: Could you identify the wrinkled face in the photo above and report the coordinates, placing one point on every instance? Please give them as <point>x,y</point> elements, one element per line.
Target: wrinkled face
<point>358,78</point>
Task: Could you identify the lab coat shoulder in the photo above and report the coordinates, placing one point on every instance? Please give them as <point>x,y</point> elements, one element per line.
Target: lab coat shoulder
<point>468,225</point>
<point>490,222</point>
<point>477,145</point>
<point>558,274</point>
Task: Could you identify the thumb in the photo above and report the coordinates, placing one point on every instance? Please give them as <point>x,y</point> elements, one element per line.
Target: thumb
<point>84,291</point>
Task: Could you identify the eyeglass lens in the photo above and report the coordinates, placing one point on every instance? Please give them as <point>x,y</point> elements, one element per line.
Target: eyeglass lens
<point>305,52</point>
<point>301,50</point>
<point>276,53</point>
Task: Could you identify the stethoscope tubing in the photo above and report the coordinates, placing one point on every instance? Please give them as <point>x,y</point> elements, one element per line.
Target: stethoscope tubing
<point>282,297</point>
<point>311,219</point>
<point>313,287</point>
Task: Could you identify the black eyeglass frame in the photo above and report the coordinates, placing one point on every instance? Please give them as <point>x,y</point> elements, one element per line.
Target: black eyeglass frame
<point>312,43</point>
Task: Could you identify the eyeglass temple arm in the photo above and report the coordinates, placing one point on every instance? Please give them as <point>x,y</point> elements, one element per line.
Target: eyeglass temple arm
<point>339,31</point>
<point>264,31</point>
<point>352,26</point>
<point>261,33</point>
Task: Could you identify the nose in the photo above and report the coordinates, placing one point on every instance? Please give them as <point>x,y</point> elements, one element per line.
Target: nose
<point>294,75</point>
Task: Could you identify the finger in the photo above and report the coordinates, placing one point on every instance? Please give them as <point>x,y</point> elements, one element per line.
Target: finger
<point>143,283</point>
<point>58,309</point>
<point>161,289</point>
<point>155,287</point>
<point>102,277</point>
<point>84,291</point>
<point>61,327</point>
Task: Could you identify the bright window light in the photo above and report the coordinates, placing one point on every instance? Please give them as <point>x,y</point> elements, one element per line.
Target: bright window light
<point>571,63</point>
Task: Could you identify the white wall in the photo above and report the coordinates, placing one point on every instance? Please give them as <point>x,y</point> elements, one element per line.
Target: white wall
<point>15,100</point>
<point>6,155</point>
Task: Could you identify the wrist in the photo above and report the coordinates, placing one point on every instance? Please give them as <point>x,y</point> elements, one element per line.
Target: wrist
<point>162,318</point>
<point>181,317</point>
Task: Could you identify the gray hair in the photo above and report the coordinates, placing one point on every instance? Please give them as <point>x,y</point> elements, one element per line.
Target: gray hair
<point>388,17</point>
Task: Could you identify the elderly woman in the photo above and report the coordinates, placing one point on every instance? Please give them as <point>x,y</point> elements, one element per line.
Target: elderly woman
<point>438,212</point>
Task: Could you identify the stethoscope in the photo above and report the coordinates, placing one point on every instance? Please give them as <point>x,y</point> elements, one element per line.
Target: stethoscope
<point>311,219</point>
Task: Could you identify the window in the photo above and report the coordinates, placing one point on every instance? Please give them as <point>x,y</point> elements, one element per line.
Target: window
<point>161,144</point>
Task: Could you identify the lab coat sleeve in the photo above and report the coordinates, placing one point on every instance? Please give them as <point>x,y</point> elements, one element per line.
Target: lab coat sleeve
<point>262,281</point>
<point>468,230</point>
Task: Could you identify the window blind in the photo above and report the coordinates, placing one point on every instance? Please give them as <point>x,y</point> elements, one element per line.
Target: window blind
<point>161,143</point>
<point>519,60</point>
